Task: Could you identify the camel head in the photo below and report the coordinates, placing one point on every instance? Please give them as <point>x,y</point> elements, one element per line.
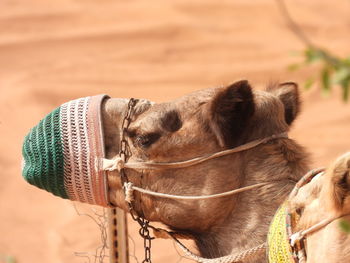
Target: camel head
<point>66,154</point>
<point>203,122</point>
<point>326,196</point>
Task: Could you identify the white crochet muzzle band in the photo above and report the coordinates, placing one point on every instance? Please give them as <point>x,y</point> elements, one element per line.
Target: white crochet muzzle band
<point>63,153</point>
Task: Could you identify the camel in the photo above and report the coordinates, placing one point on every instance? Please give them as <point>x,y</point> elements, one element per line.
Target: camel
<point>326,197</point>
<point>205,122</point>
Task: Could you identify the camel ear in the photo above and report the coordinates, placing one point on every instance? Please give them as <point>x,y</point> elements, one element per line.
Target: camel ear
<point>336,192</point>
<point>230,111</point>
<point>288,93</point>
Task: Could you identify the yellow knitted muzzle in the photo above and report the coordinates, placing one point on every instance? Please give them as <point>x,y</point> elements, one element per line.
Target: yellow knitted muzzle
<point>279,250</point>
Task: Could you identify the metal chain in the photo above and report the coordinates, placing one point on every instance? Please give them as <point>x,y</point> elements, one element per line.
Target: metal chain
<point>147,239</point>
<point>125,154</point>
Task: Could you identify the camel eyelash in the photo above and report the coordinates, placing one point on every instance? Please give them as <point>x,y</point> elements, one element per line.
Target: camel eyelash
<point>146,140</point>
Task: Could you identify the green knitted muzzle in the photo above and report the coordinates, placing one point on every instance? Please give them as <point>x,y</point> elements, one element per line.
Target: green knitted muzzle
<point>63,153</point>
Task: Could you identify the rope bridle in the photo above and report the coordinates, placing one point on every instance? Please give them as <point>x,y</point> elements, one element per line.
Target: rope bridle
<point>120,163</point>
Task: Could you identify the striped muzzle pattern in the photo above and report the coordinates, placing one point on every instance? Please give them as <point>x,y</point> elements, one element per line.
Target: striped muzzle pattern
<point>63,153</point>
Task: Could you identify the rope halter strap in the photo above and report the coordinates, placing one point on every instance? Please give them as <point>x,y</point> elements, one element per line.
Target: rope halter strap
<point>117,163</point>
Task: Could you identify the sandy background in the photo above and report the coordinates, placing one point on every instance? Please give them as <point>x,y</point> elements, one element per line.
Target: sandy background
<point>57,50</point>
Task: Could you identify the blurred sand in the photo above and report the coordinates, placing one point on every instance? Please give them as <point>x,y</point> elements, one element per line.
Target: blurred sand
<point>54,51</point>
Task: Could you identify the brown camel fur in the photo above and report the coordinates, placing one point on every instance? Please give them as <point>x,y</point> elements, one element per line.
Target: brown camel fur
<point>326,197</point>
<point>205,122</point>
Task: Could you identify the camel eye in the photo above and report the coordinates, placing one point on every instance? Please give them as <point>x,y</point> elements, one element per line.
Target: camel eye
<point>131,134</point>
<point>146,140</point>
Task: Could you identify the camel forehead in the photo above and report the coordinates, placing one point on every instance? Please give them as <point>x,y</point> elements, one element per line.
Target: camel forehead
<point>184,104</point>
<point>188,105</point>
<point>200,97</point>
<point>203,96</point>
<point>188,101</point>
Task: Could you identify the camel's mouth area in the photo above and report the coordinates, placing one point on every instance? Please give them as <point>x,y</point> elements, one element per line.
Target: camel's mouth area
<point>61,153</point>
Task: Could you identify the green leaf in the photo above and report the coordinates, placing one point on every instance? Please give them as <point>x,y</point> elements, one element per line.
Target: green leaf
<point>308,83</point>
<point>346,61</point>
<point>344,225</point>
<point>345,86</point>
<point>325,79</point>
<point>341,75</point>
<point>313,55</point>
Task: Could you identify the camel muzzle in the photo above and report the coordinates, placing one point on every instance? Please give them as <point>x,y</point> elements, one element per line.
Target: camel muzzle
<point>63,153</point>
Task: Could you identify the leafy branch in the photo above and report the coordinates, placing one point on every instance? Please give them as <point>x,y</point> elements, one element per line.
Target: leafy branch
<point>334,70</point>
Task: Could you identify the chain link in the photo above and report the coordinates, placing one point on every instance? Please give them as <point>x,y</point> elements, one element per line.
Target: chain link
<point>125,154</point>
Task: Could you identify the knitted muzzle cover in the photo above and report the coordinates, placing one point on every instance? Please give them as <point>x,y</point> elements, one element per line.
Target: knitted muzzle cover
<point>279,249</point>
<point>63,153</point>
